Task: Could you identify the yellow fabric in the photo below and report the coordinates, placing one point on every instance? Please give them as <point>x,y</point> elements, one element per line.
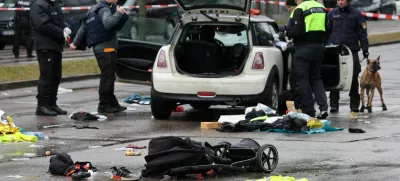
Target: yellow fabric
<point>280,178</point>
<point>18,137</point>
<point>314,123</point>
<point>8,128</point>
<point>259,118</point>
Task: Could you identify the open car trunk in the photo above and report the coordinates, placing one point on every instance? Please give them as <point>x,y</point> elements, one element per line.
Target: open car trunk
<point>212,50</point>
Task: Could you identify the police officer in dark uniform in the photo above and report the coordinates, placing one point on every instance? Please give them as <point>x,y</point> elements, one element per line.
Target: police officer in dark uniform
<point>348,27</point>
<point>100,32</point>
<point>22,28</point>
<point>50,33</point>
<point>307,29</point>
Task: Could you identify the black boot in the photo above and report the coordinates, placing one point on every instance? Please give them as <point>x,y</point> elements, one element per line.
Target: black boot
<point>107,109</point>
<point>45,111</point>
<point>58,110</point>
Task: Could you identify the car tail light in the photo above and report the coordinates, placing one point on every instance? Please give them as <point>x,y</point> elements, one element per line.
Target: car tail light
<point>162,60</point>
<point>258,62</point>
<point>206,94</point>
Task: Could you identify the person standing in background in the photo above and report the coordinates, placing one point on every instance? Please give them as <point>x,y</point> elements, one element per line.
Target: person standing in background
<point>22,28</point>
<point>50,33</point>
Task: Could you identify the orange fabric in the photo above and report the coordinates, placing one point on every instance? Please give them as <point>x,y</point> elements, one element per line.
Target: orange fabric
<point>107,50</point>
<point>254,11</point>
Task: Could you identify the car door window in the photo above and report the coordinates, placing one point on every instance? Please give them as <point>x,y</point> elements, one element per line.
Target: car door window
<point>262,35</point>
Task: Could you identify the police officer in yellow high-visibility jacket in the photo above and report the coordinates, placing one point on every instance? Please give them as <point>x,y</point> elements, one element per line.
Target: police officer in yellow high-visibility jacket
<point>307,29</point>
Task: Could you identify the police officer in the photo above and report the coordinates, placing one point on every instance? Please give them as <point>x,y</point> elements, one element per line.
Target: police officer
<point>290,5</point>
<point>22,28</point>
<point>100,32</point>
<point>50,33</point>
<point>348,28</point>
<point>307,29</point>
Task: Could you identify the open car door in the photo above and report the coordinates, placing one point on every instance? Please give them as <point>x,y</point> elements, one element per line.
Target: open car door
<point>337,68</point>
<point>135,60</point>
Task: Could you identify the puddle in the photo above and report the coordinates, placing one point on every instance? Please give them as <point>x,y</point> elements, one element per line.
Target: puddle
<point>22,151</point>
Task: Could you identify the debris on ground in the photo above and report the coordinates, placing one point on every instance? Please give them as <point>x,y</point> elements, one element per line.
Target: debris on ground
<point>178,109</point>
<point>137,99</point>
<point>264,119</point>
<point>84,126</point>
<point>279,178</point>
<point>135,146</point>
<point>85,116</point>
<point>210,125</point>
<point>356,130</point>
<point>63,90</point>
<point>132,153</point>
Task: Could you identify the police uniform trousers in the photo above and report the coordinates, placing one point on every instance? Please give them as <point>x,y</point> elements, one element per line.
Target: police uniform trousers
<point>107,62</point>
<point>307,71</point>
<point>25,33</point>
<point>354,93</point>
<point>50,76</point>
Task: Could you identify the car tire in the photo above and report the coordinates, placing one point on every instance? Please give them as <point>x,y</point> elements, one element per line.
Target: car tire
<point>271,98</point>
<point>201,105</point>
<point>160,108</point>
<point>133,33</point>
<point>2,46</point>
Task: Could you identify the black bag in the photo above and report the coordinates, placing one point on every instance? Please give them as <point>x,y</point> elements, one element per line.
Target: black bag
<point>166,153</point>
<point>60,163</point>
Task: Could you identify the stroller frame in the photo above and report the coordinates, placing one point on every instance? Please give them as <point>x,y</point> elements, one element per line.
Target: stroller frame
<point>228,158</point>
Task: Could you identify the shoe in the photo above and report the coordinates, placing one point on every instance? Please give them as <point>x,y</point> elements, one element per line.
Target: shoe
<point>354,110</point>
<point>356,130</point>
<point>108,109</point>
<point>58,110</point>
<point>123,174</point>
<point>334,109</point>
<point>122,108</point>
<point>322,115</point>
<point>45,111</point>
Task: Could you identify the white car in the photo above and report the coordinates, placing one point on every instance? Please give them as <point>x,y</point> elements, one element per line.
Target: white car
<point>244,63</point>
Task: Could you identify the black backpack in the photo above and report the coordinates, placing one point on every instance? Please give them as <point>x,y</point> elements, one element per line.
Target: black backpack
<point>166,153</point>
<point>60,163</point>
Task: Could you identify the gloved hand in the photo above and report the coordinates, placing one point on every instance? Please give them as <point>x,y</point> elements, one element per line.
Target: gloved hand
<point>366,54</point>
<point>282,28</point>
<point>67,32</point>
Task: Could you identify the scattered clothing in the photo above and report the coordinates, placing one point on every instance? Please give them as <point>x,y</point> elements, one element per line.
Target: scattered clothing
<point>60,164</point>
<point>137,99</point>
<point>178,109</point>
<point>279,178</point>
<point>356,130</point>
<point>135,146</point>
<point>84,126</point>
<point>7,125</point>
<point>85,116</point>
<point>18,137</point>
<point>123,174</point>
<point>132,153</point>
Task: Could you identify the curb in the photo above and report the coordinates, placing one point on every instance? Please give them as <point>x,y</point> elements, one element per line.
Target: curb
<point>384,43</point>
<point>31,83</point>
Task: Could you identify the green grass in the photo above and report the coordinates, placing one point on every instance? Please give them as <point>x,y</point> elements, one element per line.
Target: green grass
<point>31,71</point>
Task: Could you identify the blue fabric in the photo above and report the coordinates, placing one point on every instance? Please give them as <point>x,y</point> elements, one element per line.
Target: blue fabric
<point>326,128</point>
<point>136,98</point>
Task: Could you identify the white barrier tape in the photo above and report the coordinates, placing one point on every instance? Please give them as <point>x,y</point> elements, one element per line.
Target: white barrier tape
<point>366,14</point>
<point>88,7</point>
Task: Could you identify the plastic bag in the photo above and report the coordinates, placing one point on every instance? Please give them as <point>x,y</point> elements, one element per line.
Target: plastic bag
<point>7,125</point>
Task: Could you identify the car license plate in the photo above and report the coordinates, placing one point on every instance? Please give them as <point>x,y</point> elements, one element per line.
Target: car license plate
<point>8,32</point>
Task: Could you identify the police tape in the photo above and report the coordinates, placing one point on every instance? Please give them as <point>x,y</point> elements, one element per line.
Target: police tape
<point>365,14</point>
<point>88,7</point>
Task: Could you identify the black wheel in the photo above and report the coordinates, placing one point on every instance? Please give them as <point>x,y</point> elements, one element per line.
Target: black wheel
<point>267,158</point>
<point>200,105</point>
<point>271,97</point>
<point>161,109</point>
<point>2,46</point>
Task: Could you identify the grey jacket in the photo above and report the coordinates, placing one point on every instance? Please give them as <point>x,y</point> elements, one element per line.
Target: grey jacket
<point>109,21</point>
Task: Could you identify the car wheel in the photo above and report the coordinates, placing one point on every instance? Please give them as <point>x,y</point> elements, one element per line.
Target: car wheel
<point>200,105</point>
<point>169,31</point>
<point>160,108</point>
<point>134,33</point>
<point>2,46</point>
<point>271,98</point>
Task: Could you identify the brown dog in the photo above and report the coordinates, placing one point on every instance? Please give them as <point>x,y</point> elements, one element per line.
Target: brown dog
<point>370,80</point>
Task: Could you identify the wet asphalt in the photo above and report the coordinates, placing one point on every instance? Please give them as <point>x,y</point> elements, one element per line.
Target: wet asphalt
<point>324,156</point>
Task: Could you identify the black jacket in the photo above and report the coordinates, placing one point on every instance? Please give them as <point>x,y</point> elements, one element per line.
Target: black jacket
<point>47,25</point>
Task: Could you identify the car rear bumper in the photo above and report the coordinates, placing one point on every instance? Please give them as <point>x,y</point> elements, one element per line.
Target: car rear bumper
<point>175,83</point>
<point>245,100</point>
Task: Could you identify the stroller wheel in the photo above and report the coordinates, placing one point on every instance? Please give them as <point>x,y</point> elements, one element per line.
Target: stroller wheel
<point>267,158</point>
